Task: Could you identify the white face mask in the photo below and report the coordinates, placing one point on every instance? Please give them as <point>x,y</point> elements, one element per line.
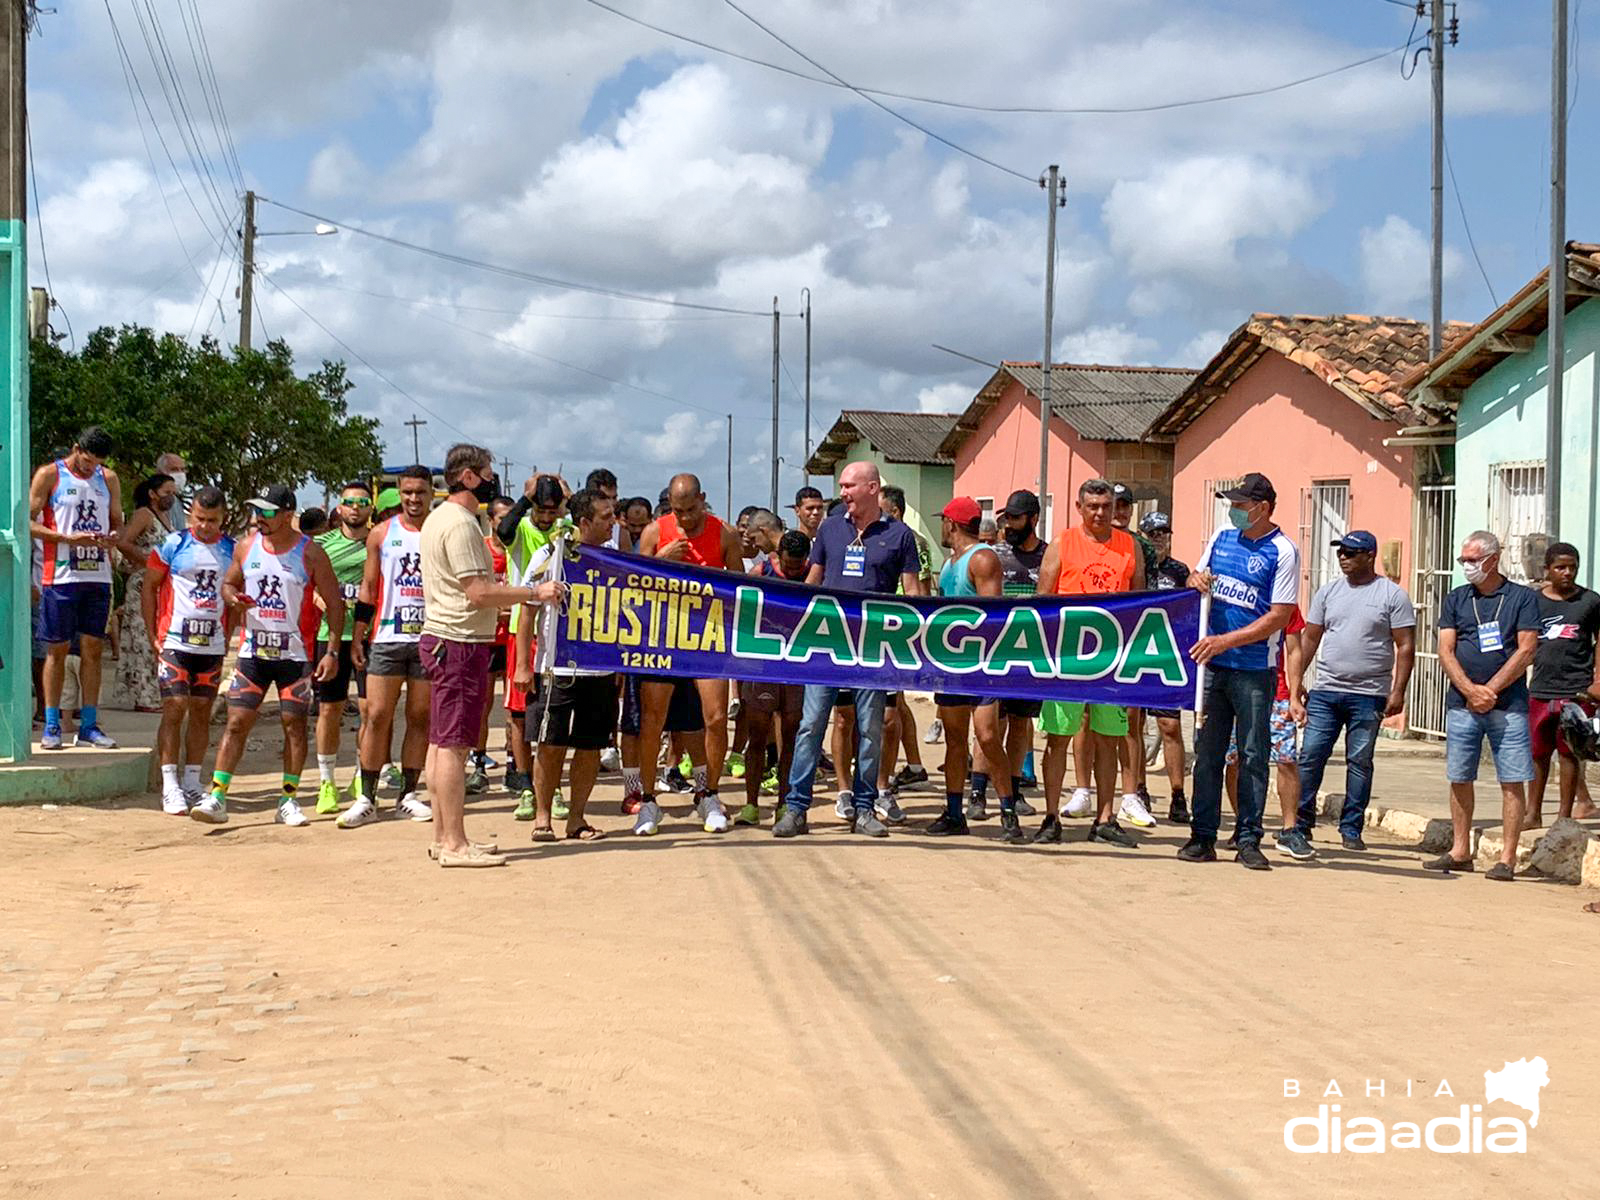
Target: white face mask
<point>1476,572</point>
<point>179,479</point>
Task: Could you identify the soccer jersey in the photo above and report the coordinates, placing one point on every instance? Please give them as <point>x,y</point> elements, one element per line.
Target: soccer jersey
<point>1251,575</point>
<point>349,558</point>
<point>1019,569</point>
<point>399,605</point>
<point>77,505</point>
<point>282,623</point>
<point>189,603</point>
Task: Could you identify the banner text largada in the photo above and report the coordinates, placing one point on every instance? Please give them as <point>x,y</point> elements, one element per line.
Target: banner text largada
<point>657,617</point>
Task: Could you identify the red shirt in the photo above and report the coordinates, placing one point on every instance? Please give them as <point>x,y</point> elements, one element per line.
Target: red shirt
<point>1296,624</point>
<point>705,547</point>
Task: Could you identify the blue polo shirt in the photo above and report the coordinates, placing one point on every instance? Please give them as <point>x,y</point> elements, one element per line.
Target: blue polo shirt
<point>891,550</point>
<point>1251,575</point>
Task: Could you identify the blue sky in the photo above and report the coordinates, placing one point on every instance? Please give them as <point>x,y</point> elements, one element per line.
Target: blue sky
<point>555,137</point>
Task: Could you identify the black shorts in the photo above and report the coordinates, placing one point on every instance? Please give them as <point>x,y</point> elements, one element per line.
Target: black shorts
<point>337,689</point>
<point>954,700</point>
<point>497,659</point>
<point>1021,708</point>
<point>684,714</point>
<point>253,676</point>
<point>582,712</point>
<point>765,696</point>
<point>844,698</point>
<point>1167,714</point>
<point>181,674</point>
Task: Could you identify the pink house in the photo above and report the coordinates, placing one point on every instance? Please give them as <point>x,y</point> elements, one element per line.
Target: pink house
<point>1315,404</point>
<point>1099,416</point>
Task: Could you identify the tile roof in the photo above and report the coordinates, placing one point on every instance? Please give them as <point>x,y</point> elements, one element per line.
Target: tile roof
<point>901,437</point>
<point>1102,403</point>
<point>1364,358</point>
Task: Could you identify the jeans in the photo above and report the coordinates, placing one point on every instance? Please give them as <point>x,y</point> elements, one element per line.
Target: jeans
<point>808,745</point>
<point>1237,704</point>
<point>1327,713</point>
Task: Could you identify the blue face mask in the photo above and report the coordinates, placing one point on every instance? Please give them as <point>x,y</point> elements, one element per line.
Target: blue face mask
<point>1240,518</point>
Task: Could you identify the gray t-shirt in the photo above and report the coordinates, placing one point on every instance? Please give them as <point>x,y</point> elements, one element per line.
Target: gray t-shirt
<point>1357,651</point>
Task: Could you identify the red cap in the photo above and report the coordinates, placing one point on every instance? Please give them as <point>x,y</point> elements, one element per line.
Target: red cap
<point>963,510</point>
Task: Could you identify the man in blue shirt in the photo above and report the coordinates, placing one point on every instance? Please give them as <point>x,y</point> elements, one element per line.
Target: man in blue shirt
<point>857,549</point>
<point>1488,635</point>
<point>1253,574</point>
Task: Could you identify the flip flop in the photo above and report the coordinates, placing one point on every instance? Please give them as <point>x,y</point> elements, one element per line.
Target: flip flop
<point>543,833</point>
<point>1592,907</point>
<point>481,847</point>
<point>585,833</point>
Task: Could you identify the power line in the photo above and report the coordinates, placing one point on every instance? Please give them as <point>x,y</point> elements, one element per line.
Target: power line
<point>38,225</point>
<point>873,100</point>
<point>1467,225</point>
<point>205,72</point>
<point>205,295</point>
<point>1102,110</point>
<point>514,272</point>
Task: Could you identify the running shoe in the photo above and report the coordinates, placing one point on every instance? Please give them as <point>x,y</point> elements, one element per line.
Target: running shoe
<point>769,782</point>
<point>1353,842</point>
<point>1024,809</point>
<point>525,807</point>
<point>1049,831</point>
<point>1011,830</point>
<point>193,796</point>
<point>611,759</point>
<point>887,806</point>
<point>96,737</point>
<point>648,821</point>
<point>289,813</point>
<point>558,806</point>
<point>711,812</point>
<point>394,777</point>
<point>482,761</point>
<point>677,782</point>
<point>1081,803</point>
<point>1135,813</point>
<point>1233,842</point>
<point>1199,849</point>
<point>935,733</point>
<point>477,783</point>
<point>50,739</point>
<point>868,825</point>
<point>977,807</point>
<point>175,803</point>
<point>1250,856</point>
<point>945,825</point>
<point>908,775</point>
<point>409,808</point>
<point>735,764</point>
<point>327,797</point>
<point>1112,834</point>
<point>361,812</point>
<point>212,810</point>
<point>355,785</point>
<point>845,807</point>
<point>749,814</point>
<point>685,765</point>
<point>1293,843</point>
<point>1178,810</point>
<point>517,781</point>
<point>790,822</point>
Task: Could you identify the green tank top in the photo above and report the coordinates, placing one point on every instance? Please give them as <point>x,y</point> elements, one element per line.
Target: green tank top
<point>349,559</point>
<point>954,579</point>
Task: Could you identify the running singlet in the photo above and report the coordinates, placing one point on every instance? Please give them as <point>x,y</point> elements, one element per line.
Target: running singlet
<point>399,604</point>
<point>1019,569</point>
<point>705,547</point>
<point>497,556</point>
<point>1089,567</point>
<point>955,579</point>
<point>282,623</point>
<point>77,505</point>
<point>349,558</point>
<point>189,606</point>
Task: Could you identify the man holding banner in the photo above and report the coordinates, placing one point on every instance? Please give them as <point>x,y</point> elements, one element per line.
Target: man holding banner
<point>855,550</point>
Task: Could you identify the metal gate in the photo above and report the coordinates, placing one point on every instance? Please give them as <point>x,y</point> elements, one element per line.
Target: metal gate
<point>1324,516</point>
<point>1433,554</point>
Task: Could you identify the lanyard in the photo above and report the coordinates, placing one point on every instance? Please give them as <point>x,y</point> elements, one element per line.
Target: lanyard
<point>1498,606</point>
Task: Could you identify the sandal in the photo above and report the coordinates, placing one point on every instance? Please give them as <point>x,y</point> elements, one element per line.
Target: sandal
<point>1445,863</point>
<point>1592,907</point>
<point>1501,873</point>
<point>543,833</point>
<point>585,833</point>
<point>481,847</point>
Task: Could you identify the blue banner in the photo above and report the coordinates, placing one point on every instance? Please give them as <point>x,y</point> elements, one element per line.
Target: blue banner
<point>656,617</point>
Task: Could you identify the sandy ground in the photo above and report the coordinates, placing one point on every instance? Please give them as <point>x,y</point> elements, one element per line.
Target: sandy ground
<point>256,1011</point>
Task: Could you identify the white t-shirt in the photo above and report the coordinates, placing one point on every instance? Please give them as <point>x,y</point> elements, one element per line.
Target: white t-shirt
<point>541,567</point>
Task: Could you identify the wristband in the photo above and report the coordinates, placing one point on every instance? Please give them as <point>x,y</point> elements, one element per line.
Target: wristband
<point>365,612</point>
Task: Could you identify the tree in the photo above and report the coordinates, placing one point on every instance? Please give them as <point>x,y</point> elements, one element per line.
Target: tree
<point>241,419</point>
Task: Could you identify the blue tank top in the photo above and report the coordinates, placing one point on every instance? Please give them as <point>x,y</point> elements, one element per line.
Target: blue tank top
<point>954,579</point>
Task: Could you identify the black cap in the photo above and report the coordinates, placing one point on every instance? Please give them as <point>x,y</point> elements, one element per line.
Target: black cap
<point>1023,503</point>
<point>279,496</point>
<point>1156,522</point>
<point>1121,493</point>
<point>1254,487</point>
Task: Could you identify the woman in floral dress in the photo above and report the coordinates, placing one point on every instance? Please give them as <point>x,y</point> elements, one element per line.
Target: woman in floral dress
<point>147,528</point>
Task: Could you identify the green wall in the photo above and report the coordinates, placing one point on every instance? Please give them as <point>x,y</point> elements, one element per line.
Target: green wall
<point>16,546</point>
<point>928,489</point>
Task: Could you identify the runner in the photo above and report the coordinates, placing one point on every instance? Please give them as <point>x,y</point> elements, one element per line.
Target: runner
<point>75,510</point>
<point>809,510</point>
<point>479,763</point>
<point>761,533</point>
<point>276,577</point>
<point>604,483</point>
<point>386,505</point>
<point>391,599</point>
<point>636,514</point>
<point>1093,558</point>
<point>189,630</point>
<point>689,534</point>
<point>973,570</point>
<point>571,709</point>
<point>346,548</point>
<point>1170,574</point>
<point>761,700</point>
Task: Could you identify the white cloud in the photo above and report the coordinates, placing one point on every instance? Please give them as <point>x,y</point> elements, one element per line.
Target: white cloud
<point>1201,348</point>
<point>1395,266</point>
<point>945,398</point>
<point>1109,345</point>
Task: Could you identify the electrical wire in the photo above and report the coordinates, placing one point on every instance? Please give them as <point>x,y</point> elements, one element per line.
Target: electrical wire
<point>205,296</point>
<point>1467,225</point>
<point>1104,110</point>
<point>875,102</point>
<point>504,312</point>
<point>205,73</point>
<point>514,272</point>
<point>38,227</point>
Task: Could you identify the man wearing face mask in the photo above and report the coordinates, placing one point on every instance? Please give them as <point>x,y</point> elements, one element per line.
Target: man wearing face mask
<point>1253,574</point>
<point>173,465</point>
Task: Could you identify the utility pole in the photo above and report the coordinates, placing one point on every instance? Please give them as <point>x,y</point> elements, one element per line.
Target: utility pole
<point>505,475</point>
<point>775,369</point>
<point>1436,64</point>
<point>416,445</point>
<point>805,467</point>
<point>729,510</point>
<point>1558,270</point>
<point>247,276</point>
<point>16,704</point>
<point>1052,185</point>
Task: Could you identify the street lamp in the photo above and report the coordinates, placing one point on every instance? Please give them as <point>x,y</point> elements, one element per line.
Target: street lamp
<point>247,275</point>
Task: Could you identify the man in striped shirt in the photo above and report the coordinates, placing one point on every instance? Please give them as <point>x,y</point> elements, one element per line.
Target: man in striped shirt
<point>1253,574</point>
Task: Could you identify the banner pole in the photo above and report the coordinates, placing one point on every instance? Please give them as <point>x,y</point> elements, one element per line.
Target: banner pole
<point>547,635</point>
<point>1200,670</point>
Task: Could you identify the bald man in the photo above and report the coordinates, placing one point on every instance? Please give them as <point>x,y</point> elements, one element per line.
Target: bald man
<point>687,533</point>
<point>857,549</point>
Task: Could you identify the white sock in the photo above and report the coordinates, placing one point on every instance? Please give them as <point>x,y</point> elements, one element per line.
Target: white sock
<point>169,777</point>
<point>325,766</point>
<point>700,783</point>
<point>191,777</point>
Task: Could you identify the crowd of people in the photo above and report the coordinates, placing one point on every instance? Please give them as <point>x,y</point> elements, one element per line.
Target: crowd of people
<point>446,604</point>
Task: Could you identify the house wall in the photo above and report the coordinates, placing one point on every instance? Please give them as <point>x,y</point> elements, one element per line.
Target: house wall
<point>1146,467</point>
<point>1502,420</point>
<point>1286,423</point>
<point>928,488</point>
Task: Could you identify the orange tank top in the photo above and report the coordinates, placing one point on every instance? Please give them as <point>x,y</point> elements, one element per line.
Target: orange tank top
<point>705,547</point>
<point>1091,567</point>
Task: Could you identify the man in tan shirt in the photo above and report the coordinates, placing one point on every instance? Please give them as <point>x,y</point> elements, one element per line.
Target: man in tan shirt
<point>461,599</point>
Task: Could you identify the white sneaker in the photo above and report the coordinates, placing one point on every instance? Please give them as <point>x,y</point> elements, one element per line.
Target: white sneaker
<point>712,812</point>
<point>611,759</point>
<point>1081,804</point>
<point>735,707</point>
<point>362,811</point>
<point>289,813</point>
<point>845,806</point>
<point>935,733</point>
<point>1134,812</point>
<point>194,795</point>
<point>212,809</point>
<point>649,819</point>
<point>175,803</point>
<point>409,808</point>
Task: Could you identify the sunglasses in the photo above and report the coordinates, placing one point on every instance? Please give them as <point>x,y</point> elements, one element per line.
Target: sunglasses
<point>355,501</point>
<point>266,514</point>
<point>1343,553</point>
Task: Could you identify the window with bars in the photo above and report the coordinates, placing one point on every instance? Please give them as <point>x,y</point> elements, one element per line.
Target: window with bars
<point>1217,511</point>
<point>1324,516</point>
<point>1516,517</point>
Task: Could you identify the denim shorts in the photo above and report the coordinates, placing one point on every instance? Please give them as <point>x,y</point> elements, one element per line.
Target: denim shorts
<point>1509,743</point>
<point>1284,747</point>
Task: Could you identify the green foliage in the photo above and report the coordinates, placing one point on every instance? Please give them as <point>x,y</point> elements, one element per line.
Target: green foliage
<point>242,419</point>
